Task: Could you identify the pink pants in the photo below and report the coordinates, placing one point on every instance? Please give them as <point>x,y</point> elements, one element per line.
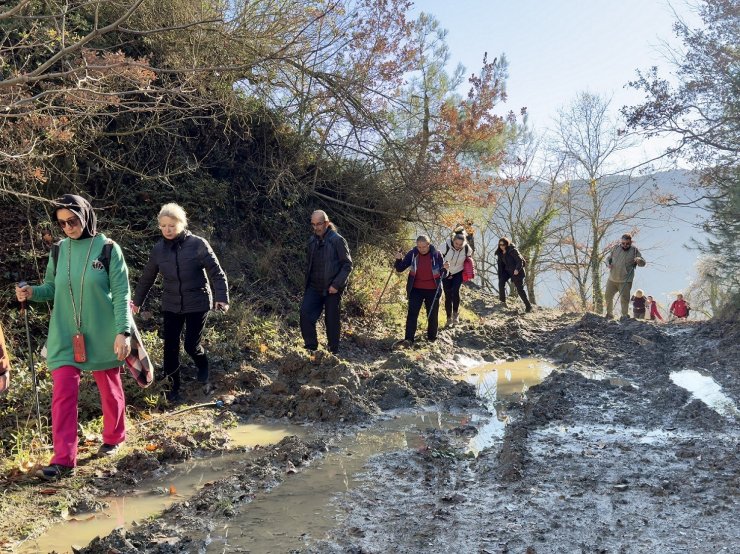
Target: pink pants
<point>64,410</point>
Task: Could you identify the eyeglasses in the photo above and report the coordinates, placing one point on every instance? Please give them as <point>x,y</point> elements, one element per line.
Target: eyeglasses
<point>72,222</point>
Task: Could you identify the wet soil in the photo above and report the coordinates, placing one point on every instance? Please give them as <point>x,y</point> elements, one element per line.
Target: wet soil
<point>607,454</point>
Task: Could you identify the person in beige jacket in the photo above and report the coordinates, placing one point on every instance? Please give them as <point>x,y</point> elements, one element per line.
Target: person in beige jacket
<point>622,261</point>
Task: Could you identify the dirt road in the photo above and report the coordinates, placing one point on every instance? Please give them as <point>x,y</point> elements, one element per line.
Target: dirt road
<point>610,453</point>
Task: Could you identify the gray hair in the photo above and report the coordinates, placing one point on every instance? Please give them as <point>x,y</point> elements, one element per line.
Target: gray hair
<point>176,212</point>
<point>423,238</point>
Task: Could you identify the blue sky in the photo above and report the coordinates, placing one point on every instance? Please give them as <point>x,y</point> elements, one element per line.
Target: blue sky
<point>557,48</point>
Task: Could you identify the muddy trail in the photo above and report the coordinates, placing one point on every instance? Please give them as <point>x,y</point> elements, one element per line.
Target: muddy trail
<point>541,432</point>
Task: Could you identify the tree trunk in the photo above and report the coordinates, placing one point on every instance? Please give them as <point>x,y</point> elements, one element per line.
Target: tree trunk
<point>598,294</point>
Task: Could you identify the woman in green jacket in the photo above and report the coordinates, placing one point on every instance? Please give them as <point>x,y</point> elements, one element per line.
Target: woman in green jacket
<point>89,329</point>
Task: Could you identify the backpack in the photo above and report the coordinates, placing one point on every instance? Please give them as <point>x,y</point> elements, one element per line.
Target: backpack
<point>467,249</point>
<point>104,257</point>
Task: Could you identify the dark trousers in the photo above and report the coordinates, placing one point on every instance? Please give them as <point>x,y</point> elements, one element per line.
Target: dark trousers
<point>194,324</point>
<point>430,299</point>
<point>311,307</point>
<point>452,293</point>
<point>518,281</point>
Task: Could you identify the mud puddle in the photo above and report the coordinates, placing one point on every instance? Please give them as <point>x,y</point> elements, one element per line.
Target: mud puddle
<point>707,390</point>
<point>496,383</point>
<point>155,495</point>
<point>304,508</point>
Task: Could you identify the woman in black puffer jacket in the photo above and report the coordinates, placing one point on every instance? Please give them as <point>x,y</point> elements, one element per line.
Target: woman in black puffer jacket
<point>510,266</point>
<point>189,270</point>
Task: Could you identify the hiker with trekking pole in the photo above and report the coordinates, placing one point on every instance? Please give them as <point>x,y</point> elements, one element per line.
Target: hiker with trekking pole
<point>622,261</point>
<point>423,287</point>
<point>4,363</point>
<point>458,261</point>
<point>89,332</point>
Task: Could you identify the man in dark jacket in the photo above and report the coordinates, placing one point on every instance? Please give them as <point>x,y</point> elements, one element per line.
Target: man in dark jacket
<point>327,274</point>
<point>510,265</point>
<point>423,285</point>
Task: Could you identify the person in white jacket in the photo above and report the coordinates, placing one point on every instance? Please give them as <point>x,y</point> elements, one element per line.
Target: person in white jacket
<point>454,252</point>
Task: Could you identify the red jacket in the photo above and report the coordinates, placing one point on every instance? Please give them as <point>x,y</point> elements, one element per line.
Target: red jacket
<point>654,313</point>
<point>680,308</point>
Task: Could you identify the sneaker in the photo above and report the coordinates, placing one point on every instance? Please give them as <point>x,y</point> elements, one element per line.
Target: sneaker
<point>107,450</point>
<point>54,472</point>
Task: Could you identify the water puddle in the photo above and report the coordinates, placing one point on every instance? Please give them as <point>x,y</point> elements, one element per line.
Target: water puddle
<point>155,495</point>
<point>498,382</point>
<point>705,389</point>
<point>303,506</point>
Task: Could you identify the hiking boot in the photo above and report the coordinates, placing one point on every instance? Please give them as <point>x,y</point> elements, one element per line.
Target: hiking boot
<point>455,318</point>
<point>405,343</point>
<point>54,472</point>
<point>609,316</point>
<point>107,450</point>
<point>208,388</point>
<point>528,308</point>
<point>172,396</point>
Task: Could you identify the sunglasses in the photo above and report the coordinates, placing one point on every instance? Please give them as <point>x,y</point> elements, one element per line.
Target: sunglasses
<point>72,222</point>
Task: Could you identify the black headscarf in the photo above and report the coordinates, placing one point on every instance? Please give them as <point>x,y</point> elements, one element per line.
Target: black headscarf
<point>83,210</point>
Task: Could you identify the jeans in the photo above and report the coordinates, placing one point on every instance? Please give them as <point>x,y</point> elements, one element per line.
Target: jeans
<point>452,293</point>
<point>314,302</point>
<point>194,324</point>
<point>430,299</point>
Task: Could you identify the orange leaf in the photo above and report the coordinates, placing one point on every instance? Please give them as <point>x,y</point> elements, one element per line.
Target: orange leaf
<point>173,490</point>
<point>263,348</point>
<point>151,447</point>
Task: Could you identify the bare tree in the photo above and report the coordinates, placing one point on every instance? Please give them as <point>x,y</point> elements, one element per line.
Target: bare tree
<point>596,199</point>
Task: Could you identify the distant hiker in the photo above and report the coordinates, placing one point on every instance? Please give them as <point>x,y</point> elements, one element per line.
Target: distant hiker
<point>510,265</point>
<point>89,330</point>
<point>423,285</point>
<point>4,363</point>
<point>638,304</point>
<point>327,273</point>
<point>653,307</point>
<point>680,309</point>
<point>191,279</point>
<point>621,261</point>
<point>455,252</point>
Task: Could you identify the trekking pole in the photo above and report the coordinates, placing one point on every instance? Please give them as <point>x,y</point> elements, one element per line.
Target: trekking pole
<point>377,304</point>
<point>437,296</point>
<point>31,365</point>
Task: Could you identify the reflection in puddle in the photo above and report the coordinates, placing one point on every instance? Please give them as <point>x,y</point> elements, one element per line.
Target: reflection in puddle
<point>705,389</point>
<point>262,434</point>
<point>154,496</point>
<point>500,381</point>
<point>302,507</point>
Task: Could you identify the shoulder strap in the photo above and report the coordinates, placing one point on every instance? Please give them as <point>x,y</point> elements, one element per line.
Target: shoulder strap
<point>55,255</point>
<point>105,255</point>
